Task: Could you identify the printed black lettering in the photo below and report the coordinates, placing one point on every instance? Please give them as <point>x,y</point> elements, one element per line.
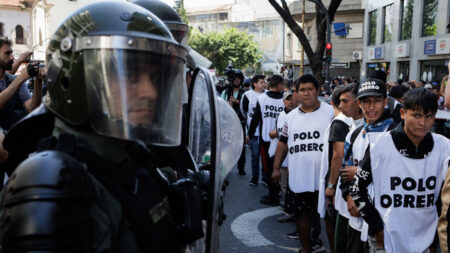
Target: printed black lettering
<point>315,146</point>
<point>431,183</point>
<point>420,201</point>
<point>385,201</point>
<point>302,136</point>
<point>267,107</point>
<point>397,200</point>
<point>295,137</point>
<point>408,201</point>
<point>310,147</point>
<point>321,147</point>
<point>291,150</point>
<point>280,109</point>
<point>316,134</point>
<point>296,149</point>
<point>302,147</point>
<point>420,186</point>
<point>409,184</point>
<point>430,200</point>
<point>395,181</point>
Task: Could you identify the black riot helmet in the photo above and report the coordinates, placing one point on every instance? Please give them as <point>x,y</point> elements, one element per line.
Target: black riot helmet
<point>169,16</point>
<point>238,73</point>
<point>116,67</point>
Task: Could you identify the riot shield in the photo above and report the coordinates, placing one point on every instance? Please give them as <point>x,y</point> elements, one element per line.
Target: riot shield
<point>207,136</point>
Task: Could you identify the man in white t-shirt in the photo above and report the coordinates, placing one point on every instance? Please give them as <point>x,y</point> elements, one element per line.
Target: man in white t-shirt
<point>302,137</point>
<point>248,106</point>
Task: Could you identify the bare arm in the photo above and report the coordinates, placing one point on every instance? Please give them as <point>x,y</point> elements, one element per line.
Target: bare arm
<point>336,163</point>
<point>280,155</point>
<point>9,92</point>
<point>36,99</point>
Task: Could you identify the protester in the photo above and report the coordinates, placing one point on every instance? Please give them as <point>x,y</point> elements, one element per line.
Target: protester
<point>372,99</point>
<point>333,153</point>
<point>304,141</point>
<point>406,168</point>
<point>397,93</point>
<point>268,107</point>
<point>393,105</point>
<point>248,106</point>
<point>15,98</point>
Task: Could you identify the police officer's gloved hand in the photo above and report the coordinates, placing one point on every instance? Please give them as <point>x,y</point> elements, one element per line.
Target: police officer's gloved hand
<point>33,69</point>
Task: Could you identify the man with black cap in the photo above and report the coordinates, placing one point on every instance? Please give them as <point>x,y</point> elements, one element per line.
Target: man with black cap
<point>397,93</point>
<point>372,99</point>
<point>393,105</point>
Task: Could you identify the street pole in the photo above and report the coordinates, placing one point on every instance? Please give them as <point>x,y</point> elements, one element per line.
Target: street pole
<point>302,58</point>
<point>327,16</point>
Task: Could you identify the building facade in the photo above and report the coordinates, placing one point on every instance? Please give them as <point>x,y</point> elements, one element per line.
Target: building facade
<point>256,17</point>
<point>408,39</point>
<point>347,49</point>
<point>24,23</point>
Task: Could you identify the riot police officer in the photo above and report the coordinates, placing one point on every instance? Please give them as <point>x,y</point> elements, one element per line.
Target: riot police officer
<point>114,75</point>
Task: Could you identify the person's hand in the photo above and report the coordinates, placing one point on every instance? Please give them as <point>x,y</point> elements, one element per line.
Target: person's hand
<point>348,173</point>
<point>330,192</point>
<point>379,238</point>
<point>351,206</point>
<point>25,57</point>
<point>230,103</point>
<point>276,176</point>
<point>273,134</point>
<point>247,140</point>
<point>42,73</point>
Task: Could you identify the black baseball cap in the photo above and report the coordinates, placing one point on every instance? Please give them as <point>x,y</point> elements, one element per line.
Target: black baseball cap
<point>371,88</point>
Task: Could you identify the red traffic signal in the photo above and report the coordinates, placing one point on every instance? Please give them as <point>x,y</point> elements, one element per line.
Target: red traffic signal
<point>328,46</point>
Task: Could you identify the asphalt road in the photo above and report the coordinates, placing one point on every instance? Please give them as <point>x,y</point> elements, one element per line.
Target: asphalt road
<point>251,226</point>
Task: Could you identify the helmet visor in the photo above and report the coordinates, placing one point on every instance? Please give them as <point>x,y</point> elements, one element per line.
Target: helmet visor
<point>135,95</point>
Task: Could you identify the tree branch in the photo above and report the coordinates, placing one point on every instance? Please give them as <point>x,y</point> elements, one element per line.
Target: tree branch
<point>295,28</point>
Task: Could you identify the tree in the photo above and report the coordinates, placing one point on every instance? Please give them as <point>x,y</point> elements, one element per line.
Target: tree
<point>221,48</point>
<point>314,57</point>
<point>179,7</point>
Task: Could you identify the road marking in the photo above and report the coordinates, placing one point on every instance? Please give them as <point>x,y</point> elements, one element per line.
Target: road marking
<point>245,227</point>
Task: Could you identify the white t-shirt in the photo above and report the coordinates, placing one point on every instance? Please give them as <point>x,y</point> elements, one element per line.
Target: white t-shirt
<point>274,142</point>
<point>405,192</point>
<point>252,97</point>
<point>304,132</point>
<point>324,166</point>
<point>270,109</point>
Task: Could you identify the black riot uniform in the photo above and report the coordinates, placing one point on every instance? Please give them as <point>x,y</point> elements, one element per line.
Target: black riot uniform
<point>114,74</point>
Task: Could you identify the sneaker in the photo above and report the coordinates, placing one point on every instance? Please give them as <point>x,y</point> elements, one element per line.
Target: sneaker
<point>293,235</point>
<point>264,183</point>
<point>286,218</point>
<point>269,201</point>
<point>253,183</point>
<point>317,246</point>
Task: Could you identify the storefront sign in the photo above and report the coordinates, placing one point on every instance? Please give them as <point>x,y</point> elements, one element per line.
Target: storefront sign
<point>371,53</point>
<point>402,50</point>
<point>429,47</point>
<point>345,65</point>
<point>443,46</point>
<point>379,53</point>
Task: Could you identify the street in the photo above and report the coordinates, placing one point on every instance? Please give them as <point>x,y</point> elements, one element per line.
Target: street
<point>251,226</point>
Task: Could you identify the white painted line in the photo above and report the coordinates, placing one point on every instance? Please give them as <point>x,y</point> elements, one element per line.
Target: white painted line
<point>245,227</point>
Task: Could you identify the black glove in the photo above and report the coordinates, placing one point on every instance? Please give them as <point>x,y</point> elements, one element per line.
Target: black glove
<point>31,69</point>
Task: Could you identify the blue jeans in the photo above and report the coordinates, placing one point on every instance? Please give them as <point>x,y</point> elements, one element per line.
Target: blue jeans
<point>254,147</point>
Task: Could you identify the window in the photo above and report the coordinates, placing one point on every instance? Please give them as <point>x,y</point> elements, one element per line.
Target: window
<point>372,27</point>
<point>433,71</point>
<point>19,35</point>
<point>289,43</point>
<point>430,9</point>
<point>387,23</point>
<point>40,37</point>
<point>356,30</point>
<point>406,15</point>
<point>223,16</point>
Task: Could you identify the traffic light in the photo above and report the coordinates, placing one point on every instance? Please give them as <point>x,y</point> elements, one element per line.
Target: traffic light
<point>328,48</point>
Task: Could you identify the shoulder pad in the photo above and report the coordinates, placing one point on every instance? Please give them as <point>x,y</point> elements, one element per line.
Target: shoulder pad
<point>46,175</point>
<point>45,205</point>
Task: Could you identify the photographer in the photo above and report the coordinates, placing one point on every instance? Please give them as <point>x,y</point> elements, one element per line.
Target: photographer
<point>15,99</point>
<point>233,94</point>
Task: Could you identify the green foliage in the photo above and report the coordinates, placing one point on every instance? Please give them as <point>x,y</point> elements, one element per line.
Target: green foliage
<point>408,6</point>
<point>179,7</point>
<point>372,27</point>
<point>221,48</point>
<point>429,17</point>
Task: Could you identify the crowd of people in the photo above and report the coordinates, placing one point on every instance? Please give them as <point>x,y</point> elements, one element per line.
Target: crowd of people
<point>367,162</point>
